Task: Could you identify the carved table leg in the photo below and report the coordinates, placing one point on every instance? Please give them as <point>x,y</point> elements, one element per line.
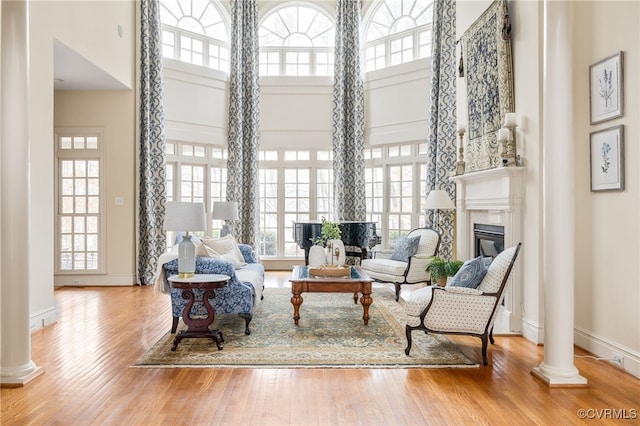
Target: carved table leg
<point>296,301</point>
<point>366,301</point>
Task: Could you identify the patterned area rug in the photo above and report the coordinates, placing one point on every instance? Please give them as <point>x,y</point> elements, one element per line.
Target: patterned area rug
<point>330,334</point>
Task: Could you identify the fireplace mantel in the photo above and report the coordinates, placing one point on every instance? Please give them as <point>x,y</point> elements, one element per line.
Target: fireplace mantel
<point>493,197</point>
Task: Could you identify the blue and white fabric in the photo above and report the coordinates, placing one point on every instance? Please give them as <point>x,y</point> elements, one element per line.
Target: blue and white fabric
<point>152,189</point>
<point>405,248</point>
<point>441,146</point>
<point>471,273</point>
<point>244,121</point>
<point>348,115</point>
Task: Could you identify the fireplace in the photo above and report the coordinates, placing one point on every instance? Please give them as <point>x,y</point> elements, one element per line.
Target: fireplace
<point>489,218</point>
<point>488,240</point>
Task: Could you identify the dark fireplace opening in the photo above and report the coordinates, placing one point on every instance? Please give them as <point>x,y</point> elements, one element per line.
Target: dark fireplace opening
<point>488,240</point>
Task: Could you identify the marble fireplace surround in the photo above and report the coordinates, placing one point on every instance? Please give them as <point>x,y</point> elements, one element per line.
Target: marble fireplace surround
<point>493,197</point>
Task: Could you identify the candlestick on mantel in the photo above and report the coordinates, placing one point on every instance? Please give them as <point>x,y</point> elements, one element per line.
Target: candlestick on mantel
<point>510,119</point>
<point>503,134</point>
<point>460,165</point>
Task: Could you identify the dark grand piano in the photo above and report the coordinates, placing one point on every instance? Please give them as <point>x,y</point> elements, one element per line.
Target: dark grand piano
<point>355,234</point>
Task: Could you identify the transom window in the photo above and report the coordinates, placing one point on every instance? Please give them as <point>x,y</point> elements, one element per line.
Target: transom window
<point>396,32</point>
<point>195,32</point>
<point>296,40</point>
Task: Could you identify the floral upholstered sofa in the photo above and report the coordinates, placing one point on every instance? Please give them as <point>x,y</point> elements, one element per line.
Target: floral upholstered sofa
<point>240,296</point>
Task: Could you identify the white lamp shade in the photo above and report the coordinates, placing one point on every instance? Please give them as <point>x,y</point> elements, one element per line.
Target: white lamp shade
<point>439,199</point>
<point>186,217</point>
<point>225,210</point>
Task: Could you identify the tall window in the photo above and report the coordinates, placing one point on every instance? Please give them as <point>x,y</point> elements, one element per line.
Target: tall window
<point>198,174</point>
<point>195,32</point>
<point>397,31</point>
<point>79,204</point>
<point>296,40</point>
<point>395,176</point>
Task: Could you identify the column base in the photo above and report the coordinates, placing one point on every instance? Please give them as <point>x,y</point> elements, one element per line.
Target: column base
<point>19,381</point>
<point>559,380</point>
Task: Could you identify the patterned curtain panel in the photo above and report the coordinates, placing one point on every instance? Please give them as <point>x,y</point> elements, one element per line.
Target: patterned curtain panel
<point>348,115</point>
<point>441,148</point>
<point>244,120</point>
<point>152,190</point>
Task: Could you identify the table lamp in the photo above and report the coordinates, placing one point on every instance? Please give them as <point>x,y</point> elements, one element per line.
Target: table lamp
<point>226,211</point>
<point>438,200</point>
<point>185,217</point>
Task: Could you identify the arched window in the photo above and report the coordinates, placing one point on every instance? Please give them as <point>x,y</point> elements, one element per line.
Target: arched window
<point>296,39</point>
<point>397,31</point>
<point>194,31</point>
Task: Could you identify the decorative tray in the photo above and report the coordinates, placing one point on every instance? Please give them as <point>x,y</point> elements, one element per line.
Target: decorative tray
<point>330,271</point>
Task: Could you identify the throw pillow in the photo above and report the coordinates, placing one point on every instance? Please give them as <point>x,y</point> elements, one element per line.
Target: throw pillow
<point>226,244</point>
<point>231,257</point>
<point>204,251</point>
<point>405,248</point>
<point>470,274</point>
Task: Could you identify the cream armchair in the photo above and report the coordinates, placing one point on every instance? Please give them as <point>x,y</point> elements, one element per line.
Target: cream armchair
<point>462,310</point>
<point>412,271</point>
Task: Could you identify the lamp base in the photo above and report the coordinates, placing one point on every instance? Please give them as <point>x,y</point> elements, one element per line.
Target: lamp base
<point>186,257</point>
<point>224,231</point>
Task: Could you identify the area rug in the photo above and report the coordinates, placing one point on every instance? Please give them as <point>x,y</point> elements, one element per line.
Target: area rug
<point>330,334</point>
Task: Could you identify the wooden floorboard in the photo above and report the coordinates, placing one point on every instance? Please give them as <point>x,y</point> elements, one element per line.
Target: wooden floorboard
<point>88,380</point>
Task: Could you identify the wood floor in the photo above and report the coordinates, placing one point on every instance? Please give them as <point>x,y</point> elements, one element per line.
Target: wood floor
<point>102,331</point>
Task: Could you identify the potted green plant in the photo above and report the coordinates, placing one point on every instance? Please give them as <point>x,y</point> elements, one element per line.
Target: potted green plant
<point>441,269</point>
<point>330,231</point>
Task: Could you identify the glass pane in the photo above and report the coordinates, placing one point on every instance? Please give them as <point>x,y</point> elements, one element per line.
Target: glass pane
<point>78,142</point>
<point>78,261</point>
<point>78,224</point>
<point>67,205</point>
<point>80,187</point>
<point>65,261</point>
<point>93,205</point>
<point>92,142</point>
<point>67,186</point>
<point>92,243</point>
<point>80,168</point>
<point>78,243</point>
<point>92,224</point>
<point>65,242</point>
<point>80,205</point>
<point>65,224</point>
<point>66,168</point>
<point>93,168</point>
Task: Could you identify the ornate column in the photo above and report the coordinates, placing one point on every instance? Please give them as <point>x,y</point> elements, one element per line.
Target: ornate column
<point>15,347</point>
<point>557,368</point>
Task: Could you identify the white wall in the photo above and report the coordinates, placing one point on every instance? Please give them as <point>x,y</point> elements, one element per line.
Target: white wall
<point>114,112</point>
<point>607,288</point>
<point>296,112</point>
<point>89,28</point>
<point>608,223</point>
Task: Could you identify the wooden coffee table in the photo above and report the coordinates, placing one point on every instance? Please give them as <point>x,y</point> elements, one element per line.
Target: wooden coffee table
<point>301,282</point>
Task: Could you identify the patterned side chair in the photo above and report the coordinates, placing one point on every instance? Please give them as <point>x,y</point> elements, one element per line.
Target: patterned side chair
<point>237,297</point>
<point>413,270</point>
<point>461,310</point>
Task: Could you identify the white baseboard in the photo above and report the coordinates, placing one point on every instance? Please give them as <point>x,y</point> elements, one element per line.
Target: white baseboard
<point>44,318</point>
<point>604,348</point>
<point>532,332</point>
<point>94,280</point>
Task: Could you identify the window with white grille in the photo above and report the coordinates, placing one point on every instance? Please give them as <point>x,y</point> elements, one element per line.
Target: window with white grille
<point>79,202</point>
<point>296,40</point>
<point>195,31</point>
<point>396,32</point>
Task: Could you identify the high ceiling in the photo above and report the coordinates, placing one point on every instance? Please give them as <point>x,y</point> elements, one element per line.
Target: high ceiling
<point>71,71</point>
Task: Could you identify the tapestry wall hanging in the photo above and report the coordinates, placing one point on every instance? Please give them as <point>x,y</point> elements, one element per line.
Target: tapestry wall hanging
<point>486,54</point>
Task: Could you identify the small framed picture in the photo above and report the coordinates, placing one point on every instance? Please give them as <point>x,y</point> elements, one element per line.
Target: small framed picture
<point>607,159</point>
<point>606,89</point>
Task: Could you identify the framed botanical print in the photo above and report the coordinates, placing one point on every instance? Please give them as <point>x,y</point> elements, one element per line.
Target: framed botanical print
<point>606,88</point>
<point>607,159</point>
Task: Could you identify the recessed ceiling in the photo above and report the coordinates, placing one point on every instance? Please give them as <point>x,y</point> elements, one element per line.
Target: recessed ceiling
<point>71,71</point>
